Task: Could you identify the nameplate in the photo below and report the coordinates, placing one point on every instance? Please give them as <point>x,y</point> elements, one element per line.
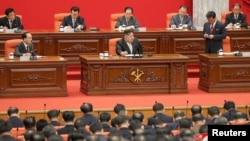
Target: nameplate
<point>142,29</point>
<point>24,58</point>
<point>69,30</point>
<point>9,30</point>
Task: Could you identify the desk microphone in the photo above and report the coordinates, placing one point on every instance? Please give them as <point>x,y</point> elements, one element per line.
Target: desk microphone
<point>239,52</point>
<point>44,110</point>
<point>187,108</point>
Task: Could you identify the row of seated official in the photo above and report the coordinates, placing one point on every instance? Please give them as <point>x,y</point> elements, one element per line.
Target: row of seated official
<point>123,126</point>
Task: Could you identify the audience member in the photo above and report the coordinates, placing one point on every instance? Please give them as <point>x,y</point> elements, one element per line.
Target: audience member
<point>49,130</point>
<point>37,136</point>
<point>25,48</point>
<point>128,44</point>
<point>29,123</point>
<point>119,110</point>
<point>181,19</point>
<point>68,117</point>
<point>55,138</point>
<point>14,119</point>
<point>80,126</point>
<point>105,119</point>
<point>76,136</point>
<point>11,21</point>
<point>74,21</point>
<point>236,17</point>
<point>53,116</point>
<point>177,116</point>
<point>221,121</point>
<point>213,113</point>
<point>96,130</point>
<point>230,108</point>
<point>198,121</point>
<point>40,124</point>
<point>5,128</point>
<point>128,21</point>
<point>87,110</point>
<point>122,122</point>
<point>214,32</point>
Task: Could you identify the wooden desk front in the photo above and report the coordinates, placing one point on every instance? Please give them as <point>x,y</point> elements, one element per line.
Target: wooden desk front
<point>224,73</point>
<point>156,41</point>
<point>34,78</point>
<point>160,73</point>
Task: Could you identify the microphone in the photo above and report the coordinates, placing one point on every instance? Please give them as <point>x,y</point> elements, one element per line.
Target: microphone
<point>239,52</point>
<point>173,110</point>
<point>26,113</point>
<point>187,108</point>
<point>44,110</point>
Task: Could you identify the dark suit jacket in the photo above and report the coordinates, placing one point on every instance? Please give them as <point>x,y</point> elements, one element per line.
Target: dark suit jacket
<point>231,19</point>
<point>15,121</point>
<point>15,24</point>
<point>107,128</point>
<point>67,21</point>
<point>219,32</point>
<point>67,129</point>
<point>55,123</point>
<point>113,121</point>
<point>176,20</point>
<point>8,138</point>
<point>131,22</point>
<point>165,118</point>
<point>89,118</point>
<point>230,114</point>
<point>21,49</point>
<point>121,45</point>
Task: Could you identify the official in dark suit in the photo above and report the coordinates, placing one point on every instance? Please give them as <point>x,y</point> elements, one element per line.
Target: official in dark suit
<point>128,20</point>
<point>214,32</point>
<point>181,19</point>
<point>128,44</point>
<point>25,47</point>
<point>74,20</point>
<point>236,17</point>
<point>11,21</point>
<point>14,119</point>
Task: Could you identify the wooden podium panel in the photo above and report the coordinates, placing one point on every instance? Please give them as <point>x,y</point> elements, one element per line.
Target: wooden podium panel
<point>33,78</point>
<point>224,73</point>
<point>160,73</point>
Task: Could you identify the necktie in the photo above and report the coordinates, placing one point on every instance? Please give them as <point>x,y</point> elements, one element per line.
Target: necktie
<point>27,48</point>
<point>11,22</point>
<point>211,28</point>
<point>73,22</point>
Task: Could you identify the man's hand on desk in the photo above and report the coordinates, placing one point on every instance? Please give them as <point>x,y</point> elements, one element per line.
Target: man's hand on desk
<point>173,26</point>
<point>123,53</point>
<point>27,54</point>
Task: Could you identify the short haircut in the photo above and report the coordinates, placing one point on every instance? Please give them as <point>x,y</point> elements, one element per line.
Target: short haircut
<point>24,35</point>
<point>49,130</point>
<point>37,136</point>
<point>178,114</point>
<point>128,8</point>
<point>29,122</point>
<point>5,126</point>
<point>86,107</point>
<point>196,109</point>
<point>105,116</point>
<point>119,108</point>
<point>55,138</point>
<point>237,4</point>
<point>80,123</point>
<point>183,6</point>
<point>12,110</point>
<point>211,14</point>
<point>95,127</point>
<point>158,107</point>
<point>53,113</point>
<point>128,31</point>
<point>75,8</point>
<point>229,105</point>
<point>8,11</point>
<point>68,116</point>
<point>40,124</point>
<point>138,116</point>
<point>213,110</point>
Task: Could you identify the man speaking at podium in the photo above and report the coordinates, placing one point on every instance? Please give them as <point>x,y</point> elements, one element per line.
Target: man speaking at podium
<point>128,44</point>
<point>25,48</point>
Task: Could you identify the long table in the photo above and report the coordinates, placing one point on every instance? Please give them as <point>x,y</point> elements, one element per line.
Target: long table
<point>156,41</point>
<point>44,77</point>
<point>160,73</point>
<point>226,73</point>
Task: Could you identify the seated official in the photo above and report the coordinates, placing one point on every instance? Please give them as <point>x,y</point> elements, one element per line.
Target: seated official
<point>236,17</point>
<point>181,19</point>
<point>74,21</point>
<point>128,20</point>
<point>128,44</point>
<point>25,48</point>
<point>11,21</point>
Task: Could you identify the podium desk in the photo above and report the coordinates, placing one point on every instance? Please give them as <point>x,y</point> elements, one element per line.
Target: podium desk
<point>157,74</point>
<point>226,73</point>
<point>44,77</point>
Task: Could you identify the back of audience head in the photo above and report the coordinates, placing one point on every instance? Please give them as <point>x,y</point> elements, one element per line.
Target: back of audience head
<point>158,122</point>
<point>80,124</point>
<point>68,116</point>
<point>76,136</point>
<point>27,135</point>
<point>40,124</point>
<point>196,109</point>
<point>198,119</point>
<point>185,123</point>
<point>158,107</point>
<point>220,121</point>
<point>122,120</point>
<point>229,105</point>
<point>37,136</point>
<point>135,125</point>
<point>29,122</point>
<point>239,116</point>
<point>213,111</point>
<point>86,108</point>
<point>49,130</point>
<point>186,135</point>
<point>138,116</point>
<point>5,127</point>
<point>55,138</point>
<point>53,114</point>
<point>104,117</point>
<point>12,111</point>
<point>95,127</point>
<point>120,109</point>
<point>179,115</point>
<point>203,129</point>
<point>115,135</point>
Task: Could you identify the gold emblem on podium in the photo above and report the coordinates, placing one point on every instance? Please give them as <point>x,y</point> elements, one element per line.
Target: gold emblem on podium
<point>137,75</point>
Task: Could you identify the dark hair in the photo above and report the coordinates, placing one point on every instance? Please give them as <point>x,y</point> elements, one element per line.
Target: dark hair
<point>53,113</point>
<point>213,110</point>
<point>178,114</point>
<point>128,31</point>
<point>86,108</point>
<point>237,4</point>
<point>196,109</point>
<point>95,127</point>
<point>24,35</point>
<point>229,105</point>
<point>29,122</point>
<point>79,123</point>
<point>158,107</point>
<point>12,110</point>
<point>183,6</point>
<point>37,136</point>
<point>5,127</point>
<point>49,130</point>
<point>75,8</point>
<point>40,124</point>
<point>128,8</point>
<point>105,116</point>
<point>119,108</point>
<point>68,116</point>
<point>210,14</point>
<point>138,116</point>
<point>8,11</point>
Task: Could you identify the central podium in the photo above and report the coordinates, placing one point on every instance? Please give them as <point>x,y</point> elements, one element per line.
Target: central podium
<point>158,74</point>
